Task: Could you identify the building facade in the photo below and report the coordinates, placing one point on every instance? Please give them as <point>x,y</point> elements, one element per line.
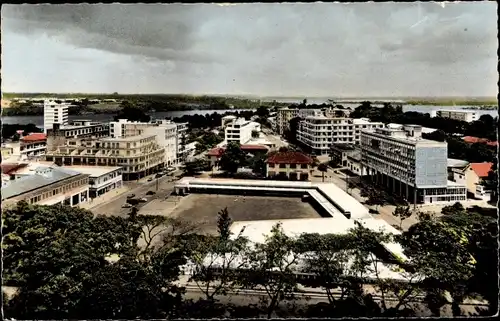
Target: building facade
<point>319,132</point>
<point>294,166</point>
<point>33,146</point>
<point>102,180</point>
<point>54,113</point>
<point>473,176</point>
<point>48,186</point>
<point>240,131</point>
<point>139,156</point>
<point>462,115</point>
<point>283,118</point>
<point>404,163</point>
<point>165,131</point>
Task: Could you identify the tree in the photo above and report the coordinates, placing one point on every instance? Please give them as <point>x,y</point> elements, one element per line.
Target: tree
<point>223,252</point>
<point>262,111</point>
<point>233,158</point>
<point>195,167</point>
<point>259,164</point>
<point>132,113</point>
<point>59,258</point>
<point>272,267</point>
<point>402,212</point>
<point>323,168</point>
<point>452,209</point>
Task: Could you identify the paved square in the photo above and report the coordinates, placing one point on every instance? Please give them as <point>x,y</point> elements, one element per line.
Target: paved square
<point>203,209</point>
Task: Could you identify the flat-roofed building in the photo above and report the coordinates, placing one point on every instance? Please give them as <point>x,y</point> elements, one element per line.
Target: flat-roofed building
<point>240,130</point>
<point>165,131</point>
<point>289,165</point>
<point>283,118</point>
<point>101,179</point>
<point>54,113</point>
<point>399,159</point>
<point>139,156</point>
<point>319,132</point>
<point>462,115</point>
<point>340,152</point>
<point>48,186</point>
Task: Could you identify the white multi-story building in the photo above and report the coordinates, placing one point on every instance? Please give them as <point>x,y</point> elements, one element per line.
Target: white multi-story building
<point>164,130</point>
<point>240,130</point>
<point>33,146</point>
<point>320,132</point>
<point>462,115</point>
<point>400,160</point>
<point>283,118</point>
<point>54,113</point>
<point>101,179</point>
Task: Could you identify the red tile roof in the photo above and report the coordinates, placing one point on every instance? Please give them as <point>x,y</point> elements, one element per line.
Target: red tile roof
<point>289,158</point>
<point>218,152</point>
<point>254,147</point>
<point>472,140</point>
<point>34,137</point>
<point>9,168</point>
<point>481,169</point>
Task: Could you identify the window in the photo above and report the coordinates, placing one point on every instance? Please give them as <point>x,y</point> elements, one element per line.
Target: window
<point>303,166</point>
<point>282,165</point>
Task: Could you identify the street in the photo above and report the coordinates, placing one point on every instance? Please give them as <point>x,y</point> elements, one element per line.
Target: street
<point>113,206</point>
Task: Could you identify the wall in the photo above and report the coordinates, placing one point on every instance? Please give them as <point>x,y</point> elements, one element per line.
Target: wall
<point>431,166</point>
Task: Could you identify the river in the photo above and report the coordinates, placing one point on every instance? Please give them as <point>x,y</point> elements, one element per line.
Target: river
<point>38,120</point>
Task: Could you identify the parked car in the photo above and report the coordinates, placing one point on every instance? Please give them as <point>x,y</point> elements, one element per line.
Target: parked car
<point>170,169</point>
<point>131,196</point>
<point>150,179</point>
<point>126,205</point>
<point>158,175</point>
<point>143,200</point>
<point>150,193</point>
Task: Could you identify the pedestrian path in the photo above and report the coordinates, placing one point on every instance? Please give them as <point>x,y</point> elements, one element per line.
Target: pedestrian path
<point>109,196</point>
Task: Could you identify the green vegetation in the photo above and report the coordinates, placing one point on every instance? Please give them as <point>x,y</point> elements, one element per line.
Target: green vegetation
<point>67,263</point>
<point>454,102</point>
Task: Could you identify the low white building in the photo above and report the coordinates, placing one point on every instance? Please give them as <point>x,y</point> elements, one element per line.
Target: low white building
<point>33,146</point>
<point>102,179</point>
<point>240,130</point>
<point>54,113</point>
<point>462,115</point>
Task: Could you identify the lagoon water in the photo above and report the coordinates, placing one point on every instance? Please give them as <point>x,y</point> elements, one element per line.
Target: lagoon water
<point>38,120</point>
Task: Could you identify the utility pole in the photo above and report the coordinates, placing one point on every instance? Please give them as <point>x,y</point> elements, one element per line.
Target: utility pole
<point>157,183</point>
<point>347,183</point>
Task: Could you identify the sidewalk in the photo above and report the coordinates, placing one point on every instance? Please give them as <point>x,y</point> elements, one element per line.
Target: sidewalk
<point>109,196</point>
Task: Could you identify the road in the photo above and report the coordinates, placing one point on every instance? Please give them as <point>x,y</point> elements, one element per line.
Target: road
<point>139,189</point>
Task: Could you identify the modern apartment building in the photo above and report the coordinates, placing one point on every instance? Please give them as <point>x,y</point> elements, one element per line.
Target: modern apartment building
<point>139,156</point>
<point>48,186</point>
<point>54,113</point>
<point>319,132</point>
<point>462,115</point>
<point>240,130</point>
<point>165,131</point>
<point>33,146</point>
<point>283,117</point>
<point>400,160</point>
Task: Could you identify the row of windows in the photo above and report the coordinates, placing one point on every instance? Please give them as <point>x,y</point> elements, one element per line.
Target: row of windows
<point>303,166</point>
<point>59,190</point>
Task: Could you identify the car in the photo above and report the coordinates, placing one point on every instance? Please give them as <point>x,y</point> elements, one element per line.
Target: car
<point>150,179</point>
<point>126,205</point>
<point>158,175</point>
<point>170,169</point>
<point>150,193</point>
<point>143,200</point>
<point>131,196</point>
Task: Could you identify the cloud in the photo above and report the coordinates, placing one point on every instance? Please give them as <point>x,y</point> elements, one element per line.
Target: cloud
<point>316,47</point>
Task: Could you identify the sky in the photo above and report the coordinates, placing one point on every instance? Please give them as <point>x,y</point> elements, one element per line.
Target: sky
<point>315,49</point>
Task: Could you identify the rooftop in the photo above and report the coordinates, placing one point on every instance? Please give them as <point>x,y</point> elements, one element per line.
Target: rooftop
<point>472,140</point>
<point>10,168</point>
<point>457,162</point>
<point>481,169</point>
<point>127,139</point>
<point>93,171</point>
<point>34,137</point>
<point>33,182</point>
<point>289,158</point>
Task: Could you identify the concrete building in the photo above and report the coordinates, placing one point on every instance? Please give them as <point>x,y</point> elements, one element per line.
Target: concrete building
<point>48,186</point>
<point>54,113</point>
<point>340,152</point>
<point>400,160</point>
<point>354,163</point>
<point>165,131</point>
<point>319,132</point>
<point>283,117</point>
<point>101,179</point>
<point>462,115</point>
<point>289,165</point>
<point>240,130</point>
<point>455,165</point>
<point>33,146</point>
<point>473,176</point>
<point>59,135</point>
<point>227,119</point>
<point>138,155</point>
<point>182,150</point>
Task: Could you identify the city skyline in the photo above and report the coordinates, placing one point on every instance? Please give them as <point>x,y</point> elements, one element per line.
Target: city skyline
<point>278,50</point>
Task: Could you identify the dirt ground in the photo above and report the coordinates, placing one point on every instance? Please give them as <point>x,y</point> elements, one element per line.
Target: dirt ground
<point>203,209</point>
